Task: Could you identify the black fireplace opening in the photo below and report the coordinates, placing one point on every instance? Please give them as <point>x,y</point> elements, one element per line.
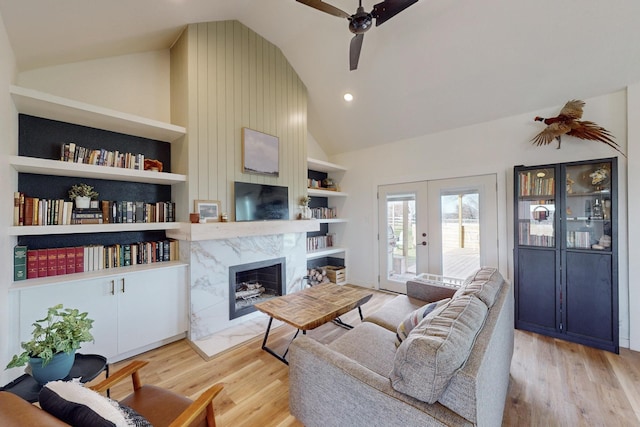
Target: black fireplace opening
<point>254,282</point>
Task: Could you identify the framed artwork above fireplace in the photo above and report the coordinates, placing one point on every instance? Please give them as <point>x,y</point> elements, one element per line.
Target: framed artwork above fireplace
<point>260,153</point>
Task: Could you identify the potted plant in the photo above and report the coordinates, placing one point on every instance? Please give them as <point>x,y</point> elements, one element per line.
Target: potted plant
<point>53,343</point>
<point>82,194</point>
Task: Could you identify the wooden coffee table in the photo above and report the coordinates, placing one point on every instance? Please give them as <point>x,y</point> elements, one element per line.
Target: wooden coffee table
<point>313,307</point>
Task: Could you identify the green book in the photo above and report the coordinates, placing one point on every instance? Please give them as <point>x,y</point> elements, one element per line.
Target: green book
<point>19,263</point>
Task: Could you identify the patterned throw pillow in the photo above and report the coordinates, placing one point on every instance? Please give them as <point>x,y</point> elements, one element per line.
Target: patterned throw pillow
<point>412,319</point>
<point>74,404</point>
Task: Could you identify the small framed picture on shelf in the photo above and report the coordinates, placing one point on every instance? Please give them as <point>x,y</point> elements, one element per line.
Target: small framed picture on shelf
<point>209,210</point>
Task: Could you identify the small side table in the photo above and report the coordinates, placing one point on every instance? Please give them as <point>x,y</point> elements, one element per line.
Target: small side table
<point>86,366</point>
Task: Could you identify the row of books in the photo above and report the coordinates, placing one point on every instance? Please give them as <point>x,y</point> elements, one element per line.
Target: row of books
<point>34,263</point>
<point>319,242</point>
<point>527,236</point>
<point>533,185</point>
<point>36,211</point>
<point>70,152</point>
<point>323,213</point>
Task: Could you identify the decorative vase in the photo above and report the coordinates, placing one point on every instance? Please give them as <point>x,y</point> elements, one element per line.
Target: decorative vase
<point>57,368</point>
<point>83,202</point>
<point>305,212</point>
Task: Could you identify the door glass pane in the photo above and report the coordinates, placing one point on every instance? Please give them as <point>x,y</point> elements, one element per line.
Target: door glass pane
<point>460,222</point>
<point>401,221</point>
<point>536,207</point>
<point>588,206</point>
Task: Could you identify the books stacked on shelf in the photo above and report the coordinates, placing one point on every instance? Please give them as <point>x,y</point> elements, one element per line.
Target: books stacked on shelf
<point>323,213</point>
<point>319,242</point>
<point>528,235</point>
<point>579,239</point>
<point>36,211</point>
<point>70,152</point>
<point>532,185</point>
<point>120,212</point>
<point>86,216</point>
<point>525,207</point>
<point>78,259</point>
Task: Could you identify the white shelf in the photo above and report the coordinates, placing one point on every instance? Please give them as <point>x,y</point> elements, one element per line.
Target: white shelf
<point>57,168</point>
<point>230,230</point>
<point>322,166</point>
<point>331,220</point>
<point>40,104</point>
<point>325,193</point>
<point>325,252</point>
<point>41,230</point>
<point>96,274</point>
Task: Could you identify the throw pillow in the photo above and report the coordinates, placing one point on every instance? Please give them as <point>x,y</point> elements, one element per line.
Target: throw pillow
<point>412,319</point>
<point>71,402</point>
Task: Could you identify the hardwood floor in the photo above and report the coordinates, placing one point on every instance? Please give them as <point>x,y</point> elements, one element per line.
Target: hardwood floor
<point>553,382</point>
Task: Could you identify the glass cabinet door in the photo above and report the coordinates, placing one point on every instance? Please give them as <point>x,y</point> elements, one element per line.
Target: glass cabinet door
<point>536,207</point>
<point>588,206</point>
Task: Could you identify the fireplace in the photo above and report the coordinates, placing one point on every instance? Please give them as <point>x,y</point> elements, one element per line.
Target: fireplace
<point>255,282</point>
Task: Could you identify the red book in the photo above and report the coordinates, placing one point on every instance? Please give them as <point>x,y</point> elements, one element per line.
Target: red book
<point>28,211</point>
<point>32,264</point>
<point>71,260</point>
<point>62,261</point>
<point>79,259</point>
<point>43,271</point>
<point>52,262</point>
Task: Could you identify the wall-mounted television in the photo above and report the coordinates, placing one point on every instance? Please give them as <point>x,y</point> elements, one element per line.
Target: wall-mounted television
<point>260,202</point>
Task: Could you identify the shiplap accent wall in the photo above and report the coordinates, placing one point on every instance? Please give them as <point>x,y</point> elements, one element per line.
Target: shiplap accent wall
<point>224,77</point>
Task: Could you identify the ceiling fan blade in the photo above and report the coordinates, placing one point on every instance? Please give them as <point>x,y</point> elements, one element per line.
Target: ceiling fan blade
<point>325,7</point>
<point>388,9</point>
<point>354,51</point>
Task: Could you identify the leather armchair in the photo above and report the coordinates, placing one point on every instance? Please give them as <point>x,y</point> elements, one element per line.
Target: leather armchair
<point>160,406</point>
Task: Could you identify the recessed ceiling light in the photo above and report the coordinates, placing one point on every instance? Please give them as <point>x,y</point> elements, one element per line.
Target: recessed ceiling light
<point>348,97</point>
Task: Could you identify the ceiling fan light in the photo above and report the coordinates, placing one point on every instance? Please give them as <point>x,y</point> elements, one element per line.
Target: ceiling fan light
<point>348,97</point>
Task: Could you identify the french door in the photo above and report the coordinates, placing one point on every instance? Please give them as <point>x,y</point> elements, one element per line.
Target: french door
<point>446,227</point>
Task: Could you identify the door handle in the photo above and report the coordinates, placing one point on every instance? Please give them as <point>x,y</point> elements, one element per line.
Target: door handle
<point>113,287</point>
<point>122,289</point>
<point>423,243</point>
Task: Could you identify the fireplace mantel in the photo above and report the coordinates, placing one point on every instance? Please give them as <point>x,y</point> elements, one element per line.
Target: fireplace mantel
<point>230,230</point>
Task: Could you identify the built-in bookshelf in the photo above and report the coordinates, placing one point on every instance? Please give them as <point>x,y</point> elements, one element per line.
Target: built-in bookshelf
<point>324,246</point>
<point>46,124</point>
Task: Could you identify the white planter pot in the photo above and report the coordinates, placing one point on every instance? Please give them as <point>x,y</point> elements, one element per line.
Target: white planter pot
<point>83,202</point>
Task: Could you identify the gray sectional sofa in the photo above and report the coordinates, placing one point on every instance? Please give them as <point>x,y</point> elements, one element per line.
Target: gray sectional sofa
<point>451,369</point>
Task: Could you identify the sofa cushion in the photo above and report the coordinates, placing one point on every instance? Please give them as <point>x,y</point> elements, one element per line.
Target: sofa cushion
<point>79,406</point>
<point>436,348</point>
<point>392,312</point>
<point>485,284</point>
<point>370,345</point>
<point>412,319</point>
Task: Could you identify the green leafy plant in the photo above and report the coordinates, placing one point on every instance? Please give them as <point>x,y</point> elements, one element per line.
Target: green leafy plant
<point>304,200</point>
<point>82,190</point>
<point>63,330</point>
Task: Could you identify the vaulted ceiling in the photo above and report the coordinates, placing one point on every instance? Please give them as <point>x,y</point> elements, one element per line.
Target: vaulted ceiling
<point>440,64</point>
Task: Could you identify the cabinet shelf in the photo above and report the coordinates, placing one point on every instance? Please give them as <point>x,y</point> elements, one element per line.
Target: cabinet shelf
<point>325,252</point>
<point>331,220</point>
<point>43,230</point>
<point>40,104</point>
<point>325,193</point>
<point>58,168</point>
<point>322,166</point>
<point>96,274</point>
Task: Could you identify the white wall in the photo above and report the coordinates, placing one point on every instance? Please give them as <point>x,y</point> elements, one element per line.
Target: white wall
<point>633,99</point>
<point>314,150</point>
<point>135,84</point>
<point>492,147</point>
<point>8,181</point>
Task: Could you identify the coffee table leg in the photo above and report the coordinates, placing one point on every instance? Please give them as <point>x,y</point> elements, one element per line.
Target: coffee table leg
<point>273,353</point>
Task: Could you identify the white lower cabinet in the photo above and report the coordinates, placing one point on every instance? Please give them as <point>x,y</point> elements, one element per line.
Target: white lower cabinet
<point>130,311</point>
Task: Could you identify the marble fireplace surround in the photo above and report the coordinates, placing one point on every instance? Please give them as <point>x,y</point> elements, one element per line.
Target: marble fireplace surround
<point>210,249</point>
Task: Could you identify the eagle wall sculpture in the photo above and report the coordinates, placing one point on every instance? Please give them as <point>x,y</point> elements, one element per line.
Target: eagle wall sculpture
<point>568,122</point>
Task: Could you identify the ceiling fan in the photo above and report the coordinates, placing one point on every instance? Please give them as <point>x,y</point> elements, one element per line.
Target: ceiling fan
<point>360,22</point>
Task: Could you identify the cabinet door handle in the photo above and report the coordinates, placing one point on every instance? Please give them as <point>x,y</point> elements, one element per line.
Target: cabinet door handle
<point>122,285</point>
<point>113,287</point>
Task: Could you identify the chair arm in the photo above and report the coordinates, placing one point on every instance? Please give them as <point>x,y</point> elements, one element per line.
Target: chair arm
<point>131,369</point>
<point>198,406</point>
